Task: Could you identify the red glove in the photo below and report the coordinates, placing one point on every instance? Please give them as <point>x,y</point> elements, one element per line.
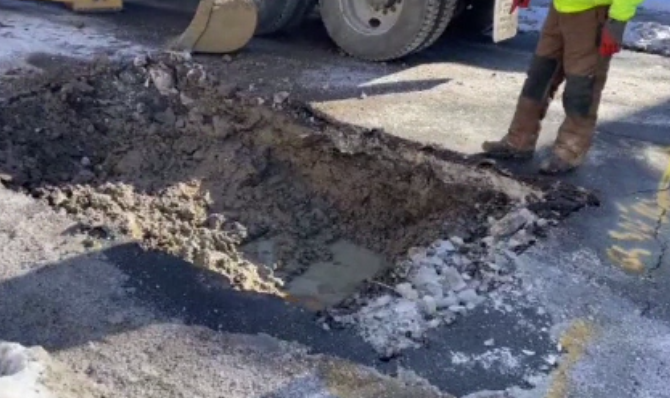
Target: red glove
<point>519,4</point>
<point>612,37</point>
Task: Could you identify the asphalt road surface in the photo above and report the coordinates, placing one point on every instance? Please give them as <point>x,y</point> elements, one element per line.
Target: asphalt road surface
<point>598,283</point>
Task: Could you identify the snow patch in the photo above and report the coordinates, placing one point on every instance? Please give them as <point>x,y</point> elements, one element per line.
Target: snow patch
<point>33,373</point>
<point>650,37</point>
<point>20,373</point>
<point>653,37</point>
<point>24,33</point>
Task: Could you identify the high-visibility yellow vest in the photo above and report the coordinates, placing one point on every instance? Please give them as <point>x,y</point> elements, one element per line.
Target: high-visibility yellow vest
<point>621,10</point>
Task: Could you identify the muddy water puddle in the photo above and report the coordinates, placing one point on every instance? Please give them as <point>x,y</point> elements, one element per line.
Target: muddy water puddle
<point>328,282</point>
<point>278,201</point>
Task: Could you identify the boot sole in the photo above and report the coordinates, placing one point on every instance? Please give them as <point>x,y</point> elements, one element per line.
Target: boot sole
<point>509,156</point>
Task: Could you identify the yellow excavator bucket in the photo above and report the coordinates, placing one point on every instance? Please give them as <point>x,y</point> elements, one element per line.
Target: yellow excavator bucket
<point>219,26</point>
<point>93,5</point>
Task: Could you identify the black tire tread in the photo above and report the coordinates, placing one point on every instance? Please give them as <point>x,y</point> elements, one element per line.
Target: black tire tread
<point>275,15</point>
<point>447,12</point>
<point>302,11</point>
<point>428,27</point>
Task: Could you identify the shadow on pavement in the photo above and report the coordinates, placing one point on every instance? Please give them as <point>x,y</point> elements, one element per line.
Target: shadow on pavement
<point>86,298</point>
<point>124,288</point>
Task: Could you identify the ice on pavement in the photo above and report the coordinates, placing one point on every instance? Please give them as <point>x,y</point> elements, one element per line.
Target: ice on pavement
<point>25,32</point>
<point>648,36</point>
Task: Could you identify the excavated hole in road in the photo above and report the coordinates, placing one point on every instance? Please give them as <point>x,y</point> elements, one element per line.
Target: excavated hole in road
<point>278,201</point>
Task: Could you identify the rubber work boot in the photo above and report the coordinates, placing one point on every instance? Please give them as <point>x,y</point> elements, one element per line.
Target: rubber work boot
<point>554,165</point>
<point>504,150</point>
<point>524,131</point>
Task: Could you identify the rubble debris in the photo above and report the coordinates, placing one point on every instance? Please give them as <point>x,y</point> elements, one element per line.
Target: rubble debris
<point>442,283</point>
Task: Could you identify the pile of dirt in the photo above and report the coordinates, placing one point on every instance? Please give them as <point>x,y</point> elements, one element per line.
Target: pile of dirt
<point>160,151</point>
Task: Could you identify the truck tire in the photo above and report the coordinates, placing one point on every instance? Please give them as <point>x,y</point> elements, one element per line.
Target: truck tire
<point>376,37</point>
<point>273,15</point>
<point>303,10</point>
<point>476,17</point>
<point>446,15</point>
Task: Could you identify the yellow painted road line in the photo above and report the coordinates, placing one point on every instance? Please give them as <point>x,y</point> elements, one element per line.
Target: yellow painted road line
<point>639,224</point>
<point>574,341</point>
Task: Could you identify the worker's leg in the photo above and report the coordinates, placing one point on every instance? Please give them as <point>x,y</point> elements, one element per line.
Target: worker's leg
<point>543,79</point>
<point>586,73</point>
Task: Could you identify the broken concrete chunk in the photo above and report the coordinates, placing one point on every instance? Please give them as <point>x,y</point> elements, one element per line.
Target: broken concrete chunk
<point>280,97</point>
<point>469,296</point>
<point>162,79</point>
<point>452,279</point>
<point>427,281</point>
<point>428,305</point>
<point>444,247</point>
<point>407,291</point>
<point>542,223</point>
<point>446,302</point>
<point>459,309</point>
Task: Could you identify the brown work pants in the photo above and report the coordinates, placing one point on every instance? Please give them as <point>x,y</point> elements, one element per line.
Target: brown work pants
<point>568,51</point>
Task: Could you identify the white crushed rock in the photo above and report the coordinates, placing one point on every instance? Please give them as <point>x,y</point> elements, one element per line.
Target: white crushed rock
<point>445,280</point>
<point>501,357</point>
